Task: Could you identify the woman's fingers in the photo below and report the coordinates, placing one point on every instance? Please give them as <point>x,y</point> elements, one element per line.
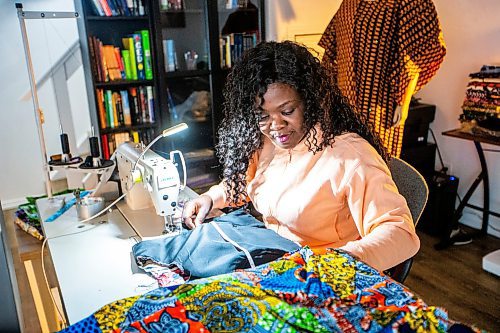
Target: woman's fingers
<point>196,210</point>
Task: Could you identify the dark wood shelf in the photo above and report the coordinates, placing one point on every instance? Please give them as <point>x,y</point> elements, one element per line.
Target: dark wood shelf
<point>181,11</point>
<point>118,18</point>
<point>192,73</point>
<point>124,83</point>
<point>232,10</point>
<point>127,128</point>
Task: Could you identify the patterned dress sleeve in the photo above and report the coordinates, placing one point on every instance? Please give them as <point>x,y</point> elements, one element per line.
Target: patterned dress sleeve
<point>329,43</point>
<point>421,44</point>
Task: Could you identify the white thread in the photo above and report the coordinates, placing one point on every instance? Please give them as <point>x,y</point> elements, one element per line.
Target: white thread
<point>236,245</point>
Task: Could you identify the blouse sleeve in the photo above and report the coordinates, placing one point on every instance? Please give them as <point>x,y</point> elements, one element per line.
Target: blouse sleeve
<point>382,217</point>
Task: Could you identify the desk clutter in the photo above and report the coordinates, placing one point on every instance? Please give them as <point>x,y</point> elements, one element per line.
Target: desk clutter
<point>28,219</point>
<point>295,293</point>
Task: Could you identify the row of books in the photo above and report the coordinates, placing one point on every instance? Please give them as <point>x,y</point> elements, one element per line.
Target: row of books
<point>131,106</point>
<point>110,142</point>
<point>170,55</point>
<point>118,7</point>
<point>233,45</point>
<point>132,62</point>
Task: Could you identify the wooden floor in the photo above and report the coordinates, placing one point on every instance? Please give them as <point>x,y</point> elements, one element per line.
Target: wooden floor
<point>453,279</point>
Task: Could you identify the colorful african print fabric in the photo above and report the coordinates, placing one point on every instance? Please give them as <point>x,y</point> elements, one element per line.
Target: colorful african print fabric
<point>300,292</point>
<point>381,53</point>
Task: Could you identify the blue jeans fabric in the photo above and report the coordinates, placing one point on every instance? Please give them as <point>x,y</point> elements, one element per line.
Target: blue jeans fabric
<point>202,252</point>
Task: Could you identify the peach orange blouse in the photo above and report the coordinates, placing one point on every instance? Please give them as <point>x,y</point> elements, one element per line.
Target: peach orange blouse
<point>341,197</point>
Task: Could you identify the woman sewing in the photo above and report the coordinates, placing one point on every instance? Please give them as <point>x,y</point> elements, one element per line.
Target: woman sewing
<point>293,146</point>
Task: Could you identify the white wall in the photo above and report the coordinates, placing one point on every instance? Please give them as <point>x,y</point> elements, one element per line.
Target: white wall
<point>286,17</point>
<point>21,172</point>
<point>472,34</point>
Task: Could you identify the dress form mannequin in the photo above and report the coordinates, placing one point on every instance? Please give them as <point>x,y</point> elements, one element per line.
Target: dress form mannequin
<point>382,52</point>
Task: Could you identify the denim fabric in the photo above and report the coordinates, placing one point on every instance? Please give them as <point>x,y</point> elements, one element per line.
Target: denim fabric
<point>203,252</point>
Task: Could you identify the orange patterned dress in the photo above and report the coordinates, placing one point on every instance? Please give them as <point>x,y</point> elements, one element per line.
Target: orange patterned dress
<point>382,52</point>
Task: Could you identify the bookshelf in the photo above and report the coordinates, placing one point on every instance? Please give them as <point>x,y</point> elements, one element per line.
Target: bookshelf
<point>193,45</point>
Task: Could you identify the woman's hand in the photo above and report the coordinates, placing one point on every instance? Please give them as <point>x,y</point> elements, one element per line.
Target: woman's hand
<point>195,211</point>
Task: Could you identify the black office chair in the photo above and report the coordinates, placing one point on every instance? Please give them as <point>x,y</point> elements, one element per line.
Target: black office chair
<point>413,187</point>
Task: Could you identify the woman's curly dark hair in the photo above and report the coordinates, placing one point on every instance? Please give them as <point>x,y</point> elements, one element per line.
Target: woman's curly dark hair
<point>292,64</point>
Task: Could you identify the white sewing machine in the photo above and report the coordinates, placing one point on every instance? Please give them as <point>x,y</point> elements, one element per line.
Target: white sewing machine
<point>157,183</point>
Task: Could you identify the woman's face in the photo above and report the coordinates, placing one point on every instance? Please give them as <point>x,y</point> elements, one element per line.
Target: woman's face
<point>282,116</point>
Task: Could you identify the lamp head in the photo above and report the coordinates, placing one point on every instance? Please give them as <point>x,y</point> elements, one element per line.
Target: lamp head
<point>174,129</point>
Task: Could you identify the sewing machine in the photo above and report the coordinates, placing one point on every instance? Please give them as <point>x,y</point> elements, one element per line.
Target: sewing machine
<point>152,181</point>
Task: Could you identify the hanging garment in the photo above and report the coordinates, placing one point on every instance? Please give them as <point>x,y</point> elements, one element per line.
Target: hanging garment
<point>382,52</point>
<point>210,248</point>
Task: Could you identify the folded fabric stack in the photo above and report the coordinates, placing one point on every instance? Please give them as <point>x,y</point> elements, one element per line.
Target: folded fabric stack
<point>28,220</point>
<point>482,100</point>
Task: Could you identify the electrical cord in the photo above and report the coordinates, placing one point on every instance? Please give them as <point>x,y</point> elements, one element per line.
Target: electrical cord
<point>59,311</point>
<point>443,168</point>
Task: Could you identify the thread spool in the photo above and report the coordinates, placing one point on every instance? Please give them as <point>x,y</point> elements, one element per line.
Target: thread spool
<point>94,147</point>
<point>65,143</point>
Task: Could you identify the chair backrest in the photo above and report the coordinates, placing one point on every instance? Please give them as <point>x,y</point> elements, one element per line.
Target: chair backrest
<point>412,186</point>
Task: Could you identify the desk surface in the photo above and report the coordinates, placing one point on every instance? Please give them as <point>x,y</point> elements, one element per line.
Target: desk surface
<point>93,261</point>
<point>458,133</point>
<point>93,265</point>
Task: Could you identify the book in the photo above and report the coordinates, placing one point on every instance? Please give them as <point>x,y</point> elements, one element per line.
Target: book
<point>148,64</point>
<point>150,101</point>
<point>139,56</point>
<point>127,119</point>
<point>126,64</point>
<point>119,60</point>
<point>105,146</point>
<point>105,73</point>
<point>128,44</point>
<point>110,108</point>
<point>119,109</point>
<point>124,7</point>
<point>170,55</point>
<point>134,106</point>
<point>105,7</point>
<point>143,103</point>
<point>135,136</point>
<point>111,63</point>
<point>116,122</point>
<point>97,8</point>
<point>93,59</point>
<point>102,108</point>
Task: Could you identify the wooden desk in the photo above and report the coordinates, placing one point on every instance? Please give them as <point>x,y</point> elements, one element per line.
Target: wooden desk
<point>39,313</point>
<point>483,176</point>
